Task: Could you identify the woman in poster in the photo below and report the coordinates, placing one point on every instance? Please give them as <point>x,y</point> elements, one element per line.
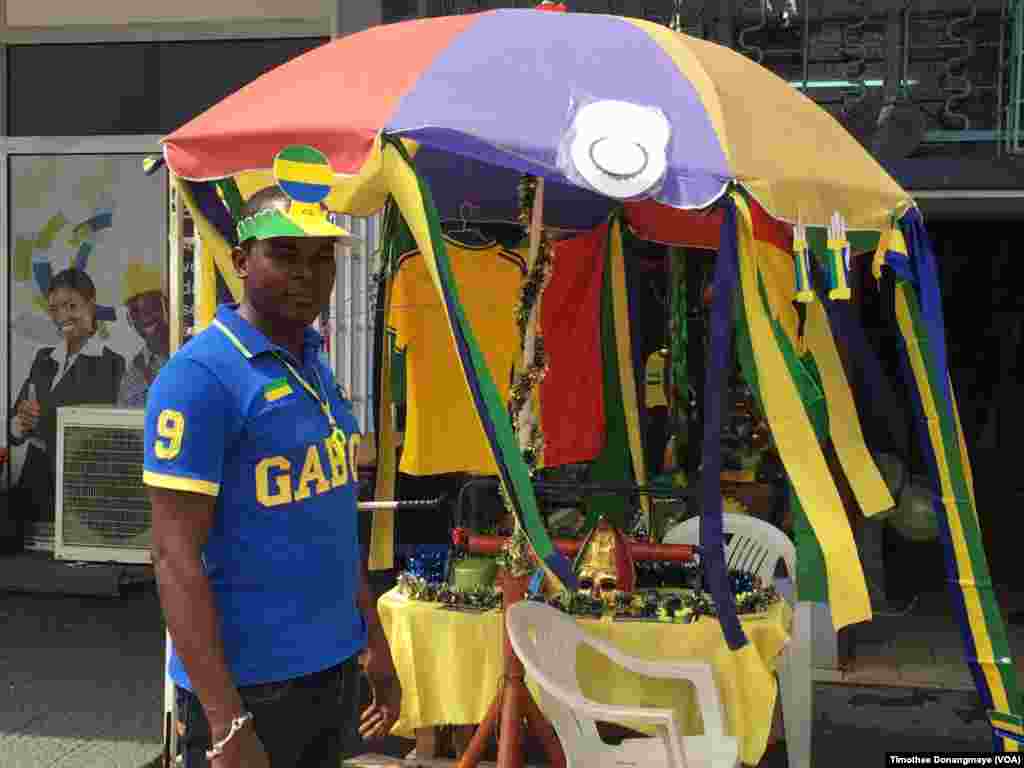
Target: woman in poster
<point>80,370</point>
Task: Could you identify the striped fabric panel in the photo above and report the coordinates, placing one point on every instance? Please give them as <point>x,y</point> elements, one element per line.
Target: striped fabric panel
<point>919,316</point>
<point>982,629</point>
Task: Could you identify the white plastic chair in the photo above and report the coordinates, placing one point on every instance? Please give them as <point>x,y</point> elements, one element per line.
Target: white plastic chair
<point>546,641</point>
<point>757,547</point>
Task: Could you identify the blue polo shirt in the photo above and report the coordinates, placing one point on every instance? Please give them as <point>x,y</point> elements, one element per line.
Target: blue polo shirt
<point>226,418</point>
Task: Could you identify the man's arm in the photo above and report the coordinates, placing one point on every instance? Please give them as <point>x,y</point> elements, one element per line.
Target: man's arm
<point>383,712</point>
<point>181,525</point>
<point>368,606</point>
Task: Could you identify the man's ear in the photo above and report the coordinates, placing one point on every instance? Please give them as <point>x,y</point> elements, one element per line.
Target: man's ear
<point>240,260</point>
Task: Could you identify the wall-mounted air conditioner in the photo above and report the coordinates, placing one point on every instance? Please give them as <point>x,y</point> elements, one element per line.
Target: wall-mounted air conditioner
<point>102,510</point>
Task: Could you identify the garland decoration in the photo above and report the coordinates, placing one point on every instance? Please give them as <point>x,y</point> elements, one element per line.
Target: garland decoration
<point>536,366</point>
<point>527,191</point>
<point>523,386</point>
<point>478,599</point>
<point>516,559</point>
<point>665,606</point>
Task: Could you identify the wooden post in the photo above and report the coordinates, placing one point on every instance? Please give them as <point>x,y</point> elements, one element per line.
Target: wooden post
<point>513,702</point>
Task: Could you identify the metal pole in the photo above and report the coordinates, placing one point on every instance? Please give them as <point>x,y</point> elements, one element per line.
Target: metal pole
<point>894,77</point>
<point>175,254</point>
<point>336,11</point>
<point>175,265</point>
<point>5,255</point>
<point>805,48</point>
<point>1001,68</point>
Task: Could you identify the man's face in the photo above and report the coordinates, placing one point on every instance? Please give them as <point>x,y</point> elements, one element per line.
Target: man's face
<point>289,278</point>
<point>148,317</point>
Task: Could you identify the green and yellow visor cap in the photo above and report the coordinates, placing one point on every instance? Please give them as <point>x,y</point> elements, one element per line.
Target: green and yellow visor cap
<point>305,176</point>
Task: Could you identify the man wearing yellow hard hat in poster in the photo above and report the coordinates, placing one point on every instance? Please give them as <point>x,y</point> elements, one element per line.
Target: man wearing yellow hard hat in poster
<point>143,294</point>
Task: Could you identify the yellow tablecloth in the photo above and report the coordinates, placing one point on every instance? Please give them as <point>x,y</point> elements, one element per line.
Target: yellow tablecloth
<point>450,665</point>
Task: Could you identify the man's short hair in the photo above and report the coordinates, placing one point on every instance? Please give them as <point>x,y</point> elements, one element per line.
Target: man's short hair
<point>268,197</point>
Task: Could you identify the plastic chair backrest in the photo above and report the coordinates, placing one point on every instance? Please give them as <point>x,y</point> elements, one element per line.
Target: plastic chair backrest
<point>755,547</point>
<point>549,657</point>
<point>547,643</point>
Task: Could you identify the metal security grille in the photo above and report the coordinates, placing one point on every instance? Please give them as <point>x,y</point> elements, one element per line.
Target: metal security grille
<point>1015,75</point>
<point>104,501</point>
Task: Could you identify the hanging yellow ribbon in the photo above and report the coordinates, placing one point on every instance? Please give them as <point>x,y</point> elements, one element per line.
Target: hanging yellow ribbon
<point>776,273</point>
<point>624,346</point>
<point>865,480</point>
<point>798,446</point>
<point>214,256</point>
<point>382,530</point>
<point>954,507</point>
<point>890,242</point>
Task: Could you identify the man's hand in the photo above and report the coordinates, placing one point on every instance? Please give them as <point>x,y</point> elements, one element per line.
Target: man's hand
<point>27,416</point>
<point>245,750</point>
<point>386,691</point>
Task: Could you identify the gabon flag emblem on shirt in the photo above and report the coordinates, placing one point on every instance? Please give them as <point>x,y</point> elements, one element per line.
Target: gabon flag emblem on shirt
<point>276,389</point>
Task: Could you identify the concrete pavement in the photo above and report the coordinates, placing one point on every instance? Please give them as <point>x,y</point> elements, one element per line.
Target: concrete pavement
<point>81,681</point>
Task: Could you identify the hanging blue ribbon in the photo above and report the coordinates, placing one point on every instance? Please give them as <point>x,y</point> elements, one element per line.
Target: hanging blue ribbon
<point>926,282</point>
<point>213,209</point>
<point>716,382</point>
<point>876,389</point>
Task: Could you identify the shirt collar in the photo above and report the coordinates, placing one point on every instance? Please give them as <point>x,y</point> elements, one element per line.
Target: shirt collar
<point>251,342</point>
<point>91,348</point>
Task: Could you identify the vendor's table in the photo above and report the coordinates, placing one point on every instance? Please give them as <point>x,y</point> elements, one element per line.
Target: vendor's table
<point>450,664</point>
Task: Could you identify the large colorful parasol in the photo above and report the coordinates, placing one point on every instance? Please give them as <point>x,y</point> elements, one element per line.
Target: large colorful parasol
<point>620,115</point>
<point>502,87</point>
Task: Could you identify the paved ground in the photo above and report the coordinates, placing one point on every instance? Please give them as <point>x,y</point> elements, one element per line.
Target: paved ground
<point>921,649</point>
<point>81,681</point>
<point>81,687</point>
<point>856,726</point>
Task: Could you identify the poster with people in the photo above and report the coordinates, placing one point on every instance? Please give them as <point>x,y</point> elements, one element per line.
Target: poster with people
<point>89,315</point>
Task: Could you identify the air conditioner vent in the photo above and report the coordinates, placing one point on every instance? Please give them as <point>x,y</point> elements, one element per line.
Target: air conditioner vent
<point>102,510</point>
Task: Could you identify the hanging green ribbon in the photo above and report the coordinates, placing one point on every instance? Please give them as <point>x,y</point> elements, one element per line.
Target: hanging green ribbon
<point>613,465</point>
<point>679,345</point>
<point>812,585</point>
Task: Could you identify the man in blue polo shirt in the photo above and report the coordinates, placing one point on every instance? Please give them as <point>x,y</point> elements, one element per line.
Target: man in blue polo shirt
<point>251,468</point>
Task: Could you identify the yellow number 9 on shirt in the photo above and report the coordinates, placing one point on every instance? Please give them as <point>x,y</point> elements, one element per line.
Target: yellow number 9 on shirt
<point>170,425</point>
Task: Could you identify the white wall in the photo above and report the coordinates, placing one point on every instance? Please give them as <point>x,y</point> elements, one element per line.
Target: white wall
<point>355,303</point>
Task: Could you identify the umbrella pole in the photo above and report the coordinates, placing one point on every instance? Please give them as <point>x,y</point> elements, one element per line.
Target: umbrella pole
<point>527,419</point>
<point>514,703</point>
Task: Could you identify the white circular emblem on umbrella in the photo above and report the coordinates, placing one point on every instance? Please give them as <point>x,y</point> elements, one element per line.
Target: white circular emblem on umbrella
<point>619,148</point>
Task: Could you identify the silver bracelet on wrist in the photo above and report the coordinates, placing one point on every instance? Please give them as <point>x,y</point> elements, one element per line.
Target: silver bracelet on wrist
<point>236,725</point>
